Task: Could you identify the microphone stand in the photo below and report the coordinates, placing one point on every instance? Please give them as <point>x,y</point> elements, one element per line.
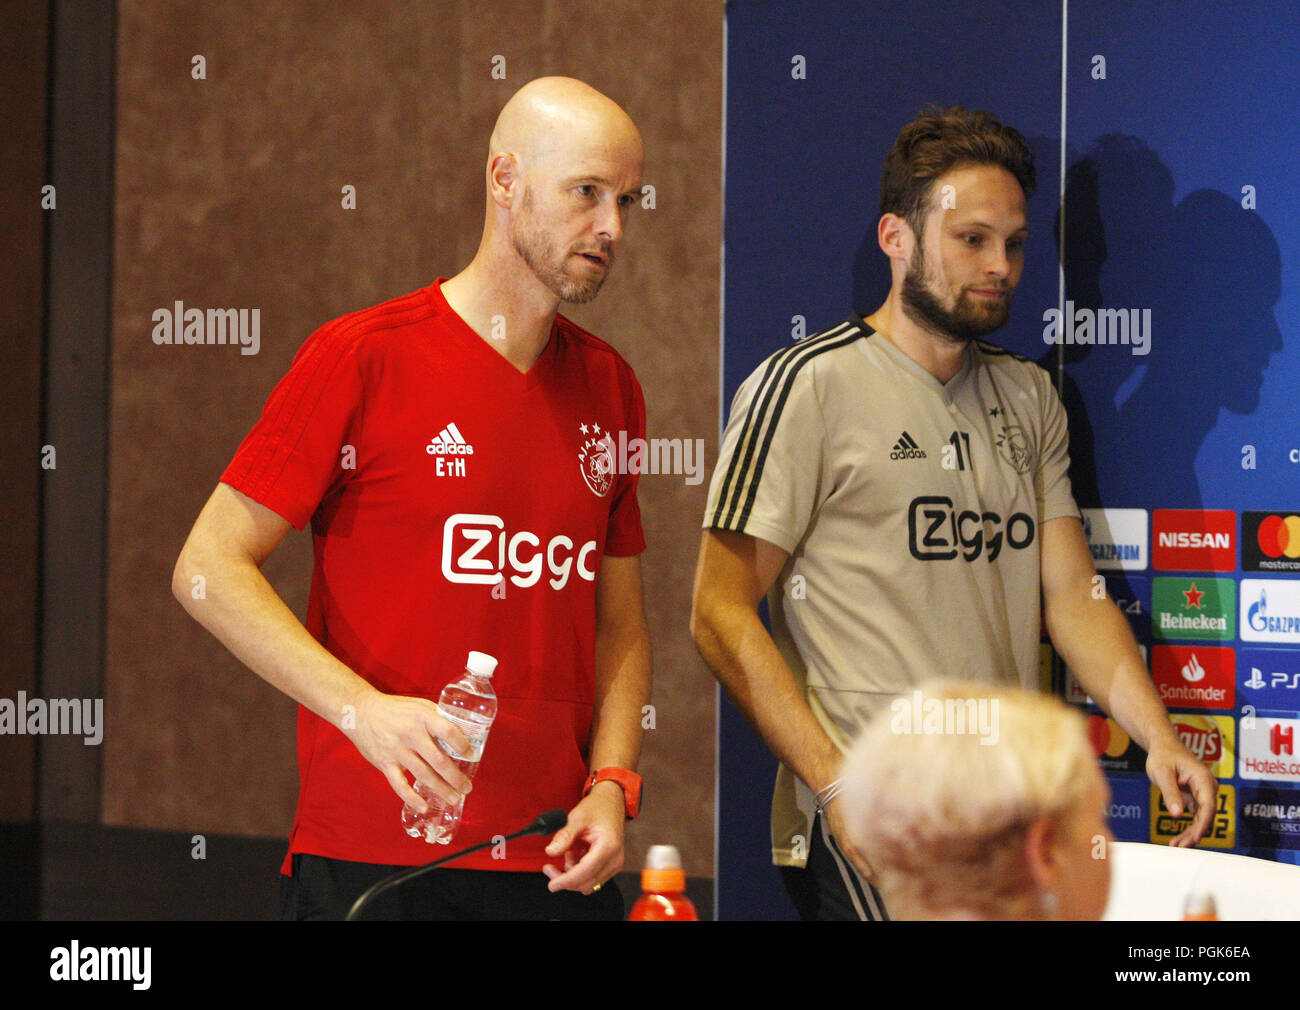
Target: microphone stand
<point>548,823</point>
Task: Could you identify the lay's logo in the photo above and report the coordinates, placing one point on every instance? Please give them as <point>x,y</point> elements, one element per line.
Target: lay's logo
<point>1206,742</point>
<point>1211,738</point>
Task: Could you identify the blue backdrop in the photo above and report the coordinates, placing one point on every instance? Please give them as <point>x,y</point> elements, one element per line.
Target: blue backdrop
<point>1179,133</point>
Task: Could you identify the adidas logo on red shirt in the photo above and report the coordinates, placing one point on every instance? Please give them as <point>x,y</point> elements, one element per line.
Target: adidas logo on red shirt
<point>449,442</point>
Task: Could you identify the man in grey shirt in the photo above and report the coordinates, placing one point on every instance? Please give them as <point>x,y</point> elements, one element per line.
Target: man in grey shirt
<point>898,489</point>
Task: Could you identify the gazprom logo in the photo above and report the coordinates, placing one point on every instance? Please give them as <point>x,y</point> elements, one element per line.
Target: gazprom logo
<point>1117,538</point>
<point>1270,610</point>
<point>1256,617</point>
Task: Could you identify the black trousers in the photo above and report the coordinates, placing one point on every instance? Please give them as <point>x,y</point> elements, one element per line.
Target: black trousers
<point>828,888</point>
<point>322,888</point>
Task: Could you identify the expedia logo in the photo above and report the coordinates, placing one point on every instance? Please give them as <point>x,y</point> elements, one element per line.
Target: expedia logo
<point>937,531</point>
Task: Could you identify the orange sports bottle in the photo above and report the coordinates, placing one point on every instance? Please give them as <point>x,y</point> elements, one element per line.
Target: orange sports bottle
<point>663,889</point>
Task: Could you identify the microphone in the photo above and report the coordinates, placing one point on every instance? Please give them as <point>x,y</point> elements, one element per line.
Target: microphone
<point>547,824</point>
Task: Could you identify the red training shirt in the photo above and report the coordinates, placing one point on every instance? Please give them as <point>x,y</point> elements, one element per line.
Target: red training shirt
<point>455,504</point>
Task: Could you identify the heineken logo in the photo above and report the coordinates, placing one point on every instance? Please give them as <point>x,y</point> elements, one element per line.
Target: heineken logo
<point>1195,608</point>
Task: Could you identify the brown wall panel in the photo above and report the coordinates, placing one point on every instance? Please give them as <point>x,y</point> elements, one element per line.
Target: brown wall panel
<point>228,194</point>
<point>23,102</point>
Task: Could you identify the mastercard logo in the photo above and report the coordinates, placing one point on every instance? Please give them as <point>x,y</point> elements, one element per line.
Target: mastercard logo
<point>1280,537</point>
<point>1107,737</point>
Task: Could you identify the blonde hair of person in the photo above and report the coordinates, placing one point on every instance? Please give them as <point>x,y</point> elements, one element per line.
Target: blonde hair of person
<point>940,791</point>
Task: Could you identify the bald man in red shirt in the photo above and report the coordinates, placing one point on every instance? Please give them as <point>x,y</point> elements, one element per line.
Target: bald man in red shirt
<point>450,449</point>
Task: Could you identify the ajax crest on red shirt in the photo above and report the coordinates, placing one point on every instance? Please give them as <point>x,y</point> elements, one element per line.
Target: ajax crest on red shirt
<point>596,458</point>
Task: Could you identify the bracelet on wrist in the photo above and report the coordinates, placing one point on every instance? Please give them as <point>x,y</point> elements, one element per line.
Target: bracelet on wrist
<point>826,793</point>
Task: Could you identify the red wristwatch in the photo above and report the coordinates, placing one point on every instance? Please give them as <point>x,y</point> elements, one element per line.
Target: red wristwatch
<point>630,781</point>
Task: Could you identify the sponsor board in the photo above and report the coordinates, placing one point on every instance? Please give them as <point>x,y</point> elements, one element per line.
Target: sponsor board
<point>1115,749</point>
<point>1132,594</point>
<point>1222,833</point>
<point>1075,694</point>
<point>1269,678</point>
<point>1200,607</point>
<point>1267,749</point>
<point>1117,538</point>
<point>1210,737</point>
<point>1194,676</point>
<point>1127,811</point>
<point>1270,610</point>
<point>1270,542</point>
<point>1194,540</point>
<point>1268,817</point>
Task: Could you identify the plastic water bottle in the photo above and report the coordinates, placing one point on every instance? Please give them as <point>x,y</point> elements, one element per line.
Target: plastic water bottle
<point>663,889</point>
<point>471,704</point>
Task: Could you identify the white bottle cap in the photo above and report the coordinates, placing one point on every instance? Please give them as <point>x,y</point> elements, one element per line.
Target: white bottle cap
<point>663,857</point>
<point>481,663</point>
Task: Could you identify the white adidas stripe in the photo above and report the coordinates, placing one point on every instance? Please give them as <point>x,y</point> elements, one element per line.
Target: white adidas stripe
<point>450,435</point>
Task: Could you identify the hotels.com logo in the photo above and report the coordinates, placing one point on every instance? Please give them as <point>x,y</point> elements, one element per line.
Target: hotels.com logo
<point>1281,741</point>
<point>1267,750</point>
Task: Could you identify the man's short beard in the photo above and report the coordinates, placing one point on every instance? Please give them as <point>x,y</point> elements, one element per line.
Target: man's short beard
<point>958,325</point>
<point>538,252</point>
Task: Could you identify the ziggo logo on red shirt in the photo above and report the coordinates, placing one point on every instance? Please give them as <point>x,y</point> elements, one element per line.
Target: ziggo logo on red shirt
<point>466,536</point>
